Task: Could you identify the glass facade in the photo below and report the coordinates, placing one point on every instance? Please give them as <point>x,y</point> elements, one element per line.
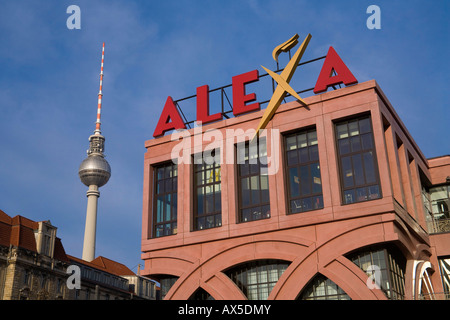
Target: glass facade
<point>165,195</point>
<point>357,160</point>
<point>256,279</point>
<point>253,181</point>
<point>303,172</point>
<point>322,288</point>
<point>391,264</point>
<point>207,199</point>
<point>358,173</point>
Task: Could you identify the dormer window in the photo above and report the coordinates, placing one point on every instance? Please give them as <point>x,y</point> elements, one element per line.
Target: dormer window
<point>45,238</point>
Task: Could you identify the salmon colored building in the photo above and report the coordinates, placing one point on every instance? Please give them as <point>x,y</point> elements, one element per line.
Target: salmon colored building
<point>354,211</point>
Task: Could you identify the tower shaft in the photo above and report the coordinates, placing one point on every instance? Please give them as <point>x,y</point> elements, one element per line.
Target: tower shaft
<point>91,224</point>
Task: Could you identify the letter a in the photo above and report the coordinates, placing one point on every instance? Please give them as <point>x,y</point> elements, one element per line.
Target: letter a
<point>333,62</point>
<point>73,281</point>
<point>170,119</point>
<point>74,21</point>
<point>374,21</point>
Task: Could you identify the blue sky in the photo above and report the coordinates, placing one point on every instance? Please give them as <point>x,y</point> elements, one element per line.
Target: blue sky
<point>49,79</point>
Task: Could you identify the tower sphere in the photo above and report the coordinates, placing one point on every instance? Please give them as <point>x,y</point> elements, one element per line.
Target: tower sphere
<point>94,170</point>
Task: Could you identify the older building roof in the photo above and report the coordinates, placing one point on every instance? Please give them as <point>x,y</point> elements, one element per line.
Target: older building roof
<point>106,265</point>
<point>19,232</point>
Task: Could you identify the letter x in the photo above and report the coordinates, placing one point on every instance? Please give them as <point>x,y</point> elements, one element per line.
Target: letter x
<point>283,79</point>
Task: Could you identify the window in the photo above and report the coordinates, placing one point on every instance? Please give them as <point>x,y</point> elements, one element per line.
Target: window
<point>201,294</point>
<point>46,244</point>
<point>437,204</point>
<point>322,288</point>
<point>253,181</point>
<point>165,195</point>
<point>391,264</point>
<point>166,282</point>
<point>27,277</point>
<point>153,290</point>
<point>357,160</point>
<point>444,266</point>
<point>257,278</point>
<point>59,286</point>
<point>440,202</point>
<point>303,171</point>
<point>207,199</point>
<point>43,281</point>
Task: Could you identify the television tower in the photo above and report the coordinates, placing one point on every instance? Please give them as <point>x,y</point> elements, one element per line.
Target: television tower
<point>94,172</point>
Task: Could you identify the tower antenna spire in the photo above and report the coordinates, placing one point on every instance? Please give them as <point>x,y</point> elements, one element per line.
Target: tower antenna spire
<point>100,95</point>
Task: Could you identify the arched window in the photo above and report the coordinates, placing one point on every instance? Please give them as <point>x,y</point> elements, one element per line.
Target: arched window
<point>257,278</point>
<point>322,288</point>
<point>201,294</point>
<point>423,277</point>
<point>390,262</point>
<point>444,266</point>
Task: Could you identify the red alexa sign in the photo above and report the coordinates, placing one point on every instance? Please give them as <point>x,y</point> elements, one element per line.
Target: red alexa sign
<point>243,102</point>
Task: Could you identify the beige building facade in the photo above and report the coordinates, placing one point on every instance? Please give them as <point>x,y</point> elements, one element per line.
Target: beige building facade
<point>35,266</point>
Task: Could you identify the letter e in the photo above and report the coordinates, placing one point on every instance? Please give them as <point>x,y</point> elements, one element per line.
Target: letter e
<point>240,97</point>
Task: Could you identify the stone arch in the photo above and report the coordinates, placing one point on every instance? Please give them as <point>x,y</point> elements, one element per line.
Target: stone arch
<point>350,278</point>
<point>220,287</point>
<point>209,271</point>
<point>170,264</point>
<point>307,258</point>
<point>328,257</point>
